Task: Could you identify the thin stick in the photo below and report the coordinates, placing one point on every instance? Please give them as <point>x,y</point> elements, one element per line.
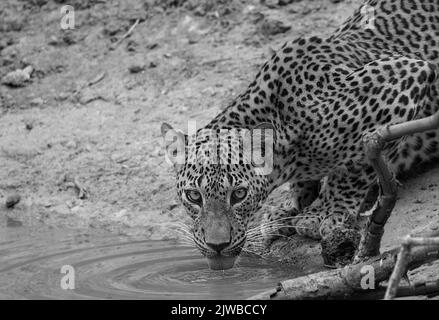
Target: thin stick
<point>130,30</point>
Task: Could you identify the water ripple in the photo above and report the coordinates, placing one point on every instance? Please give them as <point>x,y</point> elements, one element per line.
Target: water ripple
<point>113,267</point>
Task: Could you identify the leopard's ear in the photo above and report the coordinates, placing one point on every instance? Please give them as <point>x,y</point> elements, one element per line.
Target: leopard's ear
<point>174,143</point>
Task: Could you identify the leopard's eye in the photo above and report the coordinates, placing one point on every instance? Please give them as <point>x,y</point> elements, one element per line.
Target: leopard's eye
<point>238,195</point>
<point>194,196</point>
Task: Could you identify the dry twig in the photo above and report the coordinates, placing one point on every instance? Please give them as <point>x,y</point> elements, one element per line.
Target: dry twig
<point>374,143</point>
<point>130,30</point>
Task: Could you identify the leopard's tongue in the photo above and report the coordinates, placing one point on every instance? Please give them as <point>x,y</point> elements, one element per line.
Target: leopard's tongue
<point>221,262</point>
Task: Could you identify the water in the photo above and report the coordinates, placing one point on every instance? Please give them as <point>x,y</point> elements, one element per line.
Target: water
<point>114,267</point>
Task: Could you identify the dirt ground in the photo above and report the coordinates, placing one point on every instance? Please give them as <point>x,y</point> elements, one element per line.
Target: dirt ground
<point>91,111</point>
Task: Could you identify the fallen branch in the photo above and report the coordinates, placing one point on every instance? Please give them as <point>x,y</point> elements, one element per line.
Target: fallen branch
<point>347,282</point>
<point>374,143</point>
<point>403,260</point>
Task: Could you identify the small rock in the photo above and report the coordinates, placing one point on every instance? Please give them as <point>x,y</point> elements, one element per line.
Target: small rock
<point>132,46</point>
<point>5,42</point>
<point>68,38</point>
<point>136,68</point>
<point>284,2</point>
<point>121,213</point>
<point>46,203</point>
<point>12,23</point>
<point>53,41</point>
<point>271,27</point>
<point>152,46</point>
<point>70,203</point>
<point>12,223</point>
<point>272,4</point>
<point>29,125</point>
<point>61,209</point>
<point>71,144</point>
<point>200,11</point>
<point>12,200</point>
<point>63,96</point>
<point>36,102</point>
<point>120,157</point>
<point>18,78</point>
<point>112,28</point>
<point>209,90</point>
<point>40,3</point>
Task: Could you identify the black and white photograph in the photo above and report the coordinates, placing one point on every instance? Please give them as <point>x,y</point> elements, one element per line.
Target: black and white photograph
<point>219,154</point>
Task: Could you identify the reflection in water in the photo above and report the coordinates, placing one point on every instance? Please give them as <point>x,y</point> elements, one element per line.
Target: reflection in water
<point>116,267</point>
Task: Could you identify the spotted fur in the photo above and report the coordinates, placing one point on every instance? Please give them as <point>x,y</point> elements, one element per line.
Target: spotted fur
<point>321,95</point>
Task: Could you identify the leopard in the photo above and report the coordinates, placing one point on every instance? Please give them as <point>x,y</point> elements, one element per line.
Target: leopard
<point>318,96</point>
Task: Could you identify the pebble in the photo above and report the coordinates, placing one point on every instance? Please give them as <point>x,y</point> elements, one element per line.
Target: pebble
<point>121,213</point>
<point>120,157</point>
<point>18,78</point>
<point>36,102</point>
<point>12,200</point>
<point>29,125</point>
<point>284,2</point>
<point>136,68</point>
<point>272,27</point>
<point>63,96</point>
<point>71,144</point>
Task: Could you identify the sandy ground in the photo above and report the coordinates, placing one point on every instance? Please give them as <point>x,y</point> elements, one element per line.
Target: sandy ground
<point>85,115</point>
<point>91,111</point>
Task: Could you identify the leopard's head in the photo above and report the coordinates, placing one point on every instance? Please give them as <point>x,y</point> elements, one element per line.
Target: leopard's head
<point>221,197</point>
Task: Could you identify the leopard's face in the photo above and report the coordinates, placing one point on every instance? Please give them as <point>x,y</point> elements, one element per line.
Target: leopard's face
<point>221,200</point>
<point>221,189</point>
<point>220,186</point>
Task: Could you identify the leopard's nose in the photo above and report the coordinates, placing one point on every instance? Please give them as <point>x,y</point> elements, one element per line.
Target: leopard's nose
<point>218,247</point>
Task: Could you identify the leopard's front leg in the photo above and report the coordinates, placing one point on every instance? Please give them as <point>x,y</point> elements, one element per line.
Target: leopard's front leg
<point>277,222</point>
<point>315,209</point>
<point>333,217</point>
<point>338,204</point>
